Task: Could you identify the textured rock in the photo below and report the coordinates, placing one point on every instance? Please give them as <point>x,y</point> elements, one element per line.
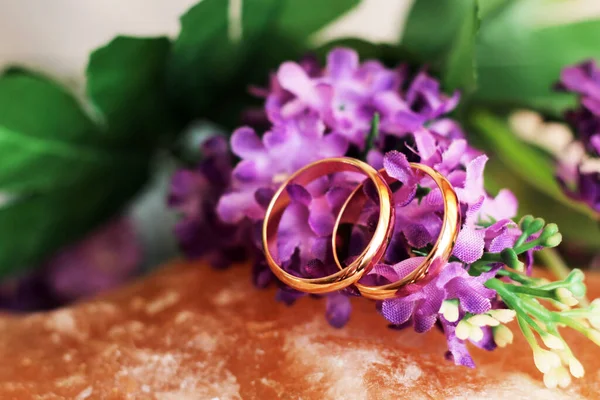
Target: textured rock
<point>190,332</point>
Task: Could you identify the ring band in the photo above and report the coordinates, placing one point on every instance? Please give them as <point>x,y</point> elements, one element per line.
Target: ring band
<point>442,249</point>
<point>369,256</point>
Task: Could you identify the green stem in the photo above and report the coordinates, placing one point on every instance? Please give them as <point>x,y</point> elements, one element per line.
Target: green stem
<point>572,323</point>
<point>535,292</point>
<point>554,262</point>
<point>527,332</point>
<point>525,280</point>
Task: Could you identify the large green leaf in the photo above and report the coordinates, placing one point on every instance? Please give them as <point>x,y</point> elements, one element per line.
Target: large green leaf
<point>209,72</point>
<point>126,83</point>
<point>205,58</point>
<point>46,140</point>
<point>460,67</point>
<point>36,107</point>
<point>66,175</point>
<point>520,59</point>
<point>300,19</point>
<point>35,226</point>
<point>442,34</point>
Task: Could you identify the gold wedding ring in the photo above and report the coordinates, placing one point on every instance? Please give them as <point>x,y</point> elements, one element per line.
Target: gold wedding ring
<point>349,212</point>
<point>442,249</point>
<point>361,264</point>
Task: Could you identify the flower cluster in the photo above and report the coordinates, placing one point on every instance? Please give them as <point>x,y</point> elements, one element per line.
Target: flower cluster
<point>390,118</point>
<point>581,178</point>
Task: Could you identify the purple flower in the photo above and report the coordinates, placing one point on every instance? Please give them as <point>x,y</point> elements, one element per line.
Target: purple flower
<point>195,193</point>
<point>580,175</point>
<point>422,301</point>
<point>314,113</point>
<point>346,94</point>
<point>104,260</point>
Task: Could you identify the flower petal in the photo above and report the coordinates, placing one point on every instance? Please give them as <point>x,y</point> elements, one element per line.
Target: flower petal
<point>338,309</point>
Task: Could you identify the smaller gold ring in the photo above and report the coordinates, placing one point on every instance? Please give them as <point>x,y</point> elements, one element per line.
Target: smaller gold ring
<point>370,255</point>
<point>442,249</point>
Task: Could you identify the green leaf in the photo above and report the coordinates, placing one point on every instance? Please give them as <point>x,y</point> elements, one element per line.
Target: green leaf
<point>66,175</point>
<point>36,107</point>
<point>205,59</point>
<point>442,34</point>
<point>300,19</point>
<point>43,134</point>
<point>36,226</point>
<point>460,67</point>
<point>126,83</point>
<point>433,26</point>
<point>520,59</point>
<point>210,71</point>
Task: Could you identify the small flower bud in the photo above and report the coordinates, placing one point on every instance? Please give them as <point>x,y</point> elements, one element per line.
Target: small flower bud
<point>593,335</point>
<point>552,241</point>
<point>536,225</point>
<point>575,276</point>
<point>502,335</point>
<point>549,230</point>
<point>594,317</point>
<point>576,368</point>
<point>504,315</point>
<point>578,289</point>
<point>449,310</point>
<point>553,342</point>
<point>476,333</point>
<point>525,222</point>
<point>463,330</point>
<point>483,320</point>
<point>511,259</point>
<point>558,376</point>
<point>565,296</point>
<point>545,360</point>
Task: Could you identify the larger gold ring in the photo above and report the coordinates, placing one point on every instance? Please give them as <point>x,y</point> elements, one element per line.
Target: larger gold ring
<point>441,250</point>
<point>361,264</point>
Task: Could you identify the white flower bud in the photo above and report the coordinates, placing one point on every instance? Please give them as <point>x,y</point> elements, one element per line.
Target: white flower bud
<point>563,377</point>
<point>503,336</point>
<point>483,320</point>
<point>576,368</point>
<point>593,335</point>
<point>553,342</point>
<point>463,330</point>
<point>476,333</point>
<point>504,315</point>
<point>545,360</point>
<point>565,296</point>
<point>449,310</point>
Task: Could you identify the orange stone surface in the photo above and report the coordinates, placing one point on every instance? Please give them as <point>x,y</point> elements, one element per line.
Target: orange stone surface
<point>190,332</point>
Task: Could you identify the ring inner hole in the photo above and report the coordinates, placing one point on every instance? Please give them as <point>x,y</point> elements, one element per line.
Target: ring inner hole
<point>311,227</point>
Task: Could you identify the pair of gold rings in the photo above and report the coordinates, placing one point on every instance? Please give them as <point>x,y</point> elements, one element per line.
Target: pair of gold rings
<point>375,249</point>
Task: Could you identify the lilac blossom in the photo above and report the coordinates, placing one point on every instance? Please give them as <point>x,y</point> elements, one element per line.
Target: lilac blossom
<point>194,193</point>
<point>316,113</point>
<point>580,175</point>
<point>346,94</point>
